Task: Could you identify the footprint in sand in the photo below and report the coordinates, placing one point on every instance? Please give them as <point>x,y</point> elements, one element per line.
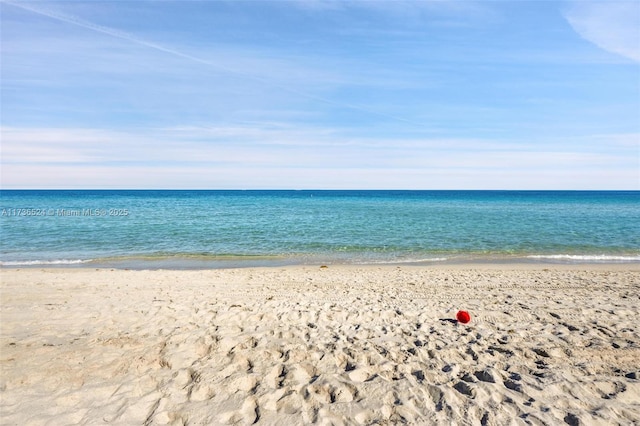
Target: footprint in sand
<point>247,415</point>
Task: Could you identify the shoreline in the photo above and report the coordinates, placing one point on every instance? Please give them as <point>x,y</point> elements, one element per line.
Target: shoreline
<point>510,265</point>
<point>348,344</point>
<point>272,261</point>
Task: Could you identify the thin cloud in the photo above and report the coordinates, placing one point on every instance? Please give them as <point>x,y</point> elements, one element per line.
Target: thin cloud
<point>73,20</point>
<point>225,158</point>
<point>197,107</point>
<point>611,25</point>
<point>191,176</point>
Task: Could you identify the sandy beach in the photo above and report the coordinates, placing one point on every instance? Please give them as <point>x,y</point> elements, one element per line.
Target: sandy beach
<point>547,344</point>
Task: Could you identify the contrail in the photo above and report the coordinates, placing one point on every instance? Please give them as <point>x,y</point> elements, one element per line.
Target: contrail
<point>73,20</point>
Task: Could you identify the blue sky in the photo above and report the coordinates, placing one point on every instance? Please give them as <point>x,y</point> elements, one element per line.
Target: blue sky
<point>321,94</point>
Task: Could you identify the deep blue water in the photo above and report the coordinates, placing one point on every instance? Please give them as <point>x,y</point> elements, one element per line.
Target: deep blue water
<point>182,229</point>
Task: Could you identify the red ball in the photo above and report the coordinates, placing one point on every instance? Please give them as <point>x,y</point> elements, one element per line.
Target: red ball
<point>463,317</point>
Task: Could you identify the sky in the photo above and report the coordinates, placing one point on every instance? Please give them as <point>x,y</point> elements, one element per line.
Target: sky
<point>320,94</point>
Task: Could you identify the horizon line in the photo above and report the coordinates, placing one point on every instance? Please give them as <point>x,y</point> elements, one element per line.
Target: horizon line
<point>320,189</point>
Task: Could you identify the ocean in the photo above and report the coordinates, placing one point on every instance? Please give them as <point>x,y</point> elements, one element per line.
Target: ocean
<point>182,229</point>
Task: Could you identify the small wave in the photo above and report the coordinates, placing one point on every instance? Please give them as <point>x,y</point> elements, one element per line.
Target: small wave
<point>586,258</point>
<point>397,261</point>
<point>43,262</point>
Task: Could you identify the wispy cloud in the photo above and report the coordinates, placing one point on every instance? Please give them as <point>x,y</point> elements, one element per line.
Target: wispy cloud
<point>211,63</point>
<point>611,25</point>
<point>311,94</point>
<point>230,157</point>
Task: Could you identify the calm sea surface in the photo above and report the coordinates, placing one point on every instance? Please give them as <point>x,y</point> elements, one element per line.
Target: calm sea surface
<point>203,229</point>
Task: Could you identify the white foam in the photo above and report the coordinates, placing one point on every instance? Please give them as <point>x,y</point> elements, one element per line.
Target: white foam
<point>43,262</point>
<point>587,258</point>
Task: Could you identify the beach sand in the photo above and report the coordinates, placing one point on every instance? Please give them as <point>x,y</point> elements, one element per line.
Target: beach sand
<point>326,345</point>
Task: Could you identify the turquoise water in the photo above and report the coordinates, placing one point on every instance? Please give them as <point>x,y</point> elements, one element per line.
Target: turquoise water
<point>193,229</point>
